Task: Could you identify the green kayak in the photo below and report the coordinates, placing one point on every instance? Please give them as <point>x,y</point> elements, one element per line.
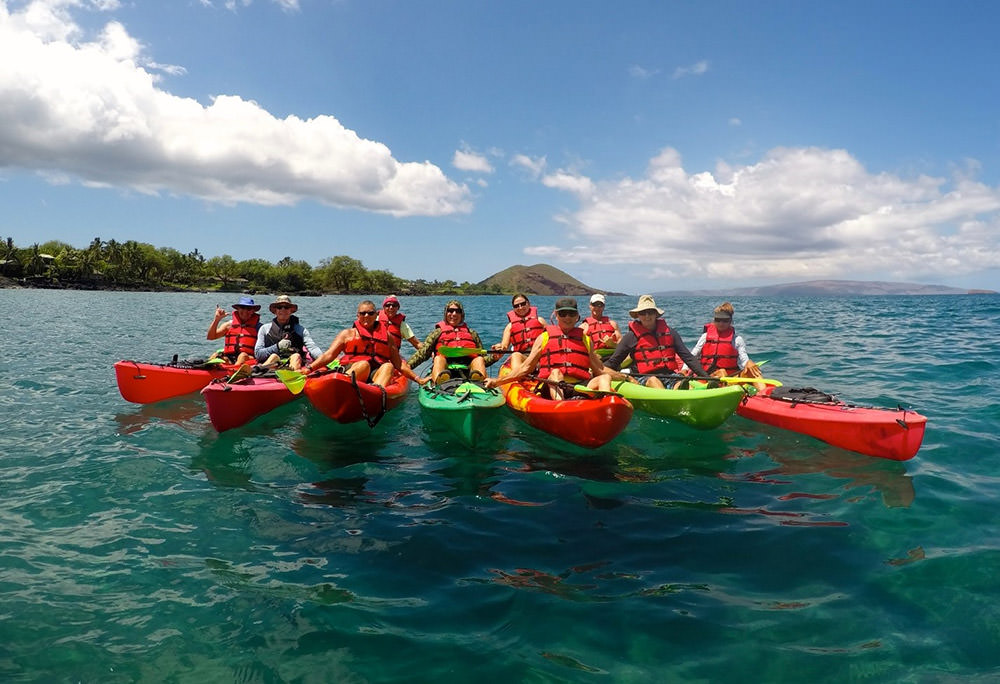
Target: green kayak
<point>462,407</point>
<point>702,408</point>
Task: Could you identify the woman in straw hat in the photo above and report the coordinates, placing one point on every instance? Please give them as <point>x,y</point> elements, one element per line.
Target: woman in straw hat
<point>284,340</point>
<point>653,345</point>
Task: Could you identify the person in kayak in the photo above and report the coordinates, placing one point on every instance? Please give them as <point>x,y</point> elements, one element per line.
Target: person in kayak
<point>284,341</point>
<point>654,346</point>
<point>240,331</point>
<point>603,331</point>
<point>369,351</point>
<point>563,353</point>
<point>522,329</point>
<point>721,351</point>
<point>451,331</point>
<point>398,327</point>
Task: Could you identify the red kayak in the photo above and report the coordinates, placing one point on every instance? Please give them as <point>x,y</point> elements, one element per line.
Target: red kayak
<point>585,420</point>
<point>144,383</point>
<point>231,405</point>
<point>338,396</point>
<point>895,434</point>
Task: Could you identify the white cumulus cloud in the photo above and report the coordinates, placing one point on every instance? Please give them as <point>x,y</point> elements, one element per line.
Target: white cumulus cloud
<point>696,69</point>
<point>467,160</point>
<point>796,213</point>
<point>92,110</point>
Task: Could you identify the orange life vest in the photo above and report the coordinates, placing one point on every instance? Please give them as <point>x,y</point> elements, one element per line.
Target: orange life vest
<point>599,329</point>
<point>524,331</point>
<point>241,336</point>
<point>454,336</point>
<point>718,351</point>
<point>567,351</point>
<point>654,349</point>
<point>393,323</point>
<point>370,345</point>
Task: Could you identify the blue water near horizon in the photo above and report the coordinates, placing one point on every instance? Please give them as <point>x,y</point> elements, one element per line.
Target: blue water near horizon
<point>140,545</point>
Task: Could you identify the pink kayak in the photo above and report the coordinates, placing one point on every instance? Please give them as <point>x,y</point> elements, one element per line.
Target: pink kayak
<point>231,405</point>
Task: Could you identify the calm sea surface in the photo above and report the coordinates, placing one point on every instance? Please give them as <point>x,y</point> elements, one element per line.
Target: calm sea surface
<point>140,545</point>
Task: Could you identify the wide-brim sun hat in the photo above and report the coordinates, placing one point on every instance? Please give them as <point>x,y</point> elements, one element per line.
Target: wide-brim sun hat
<point>247,301</point>
<point>282,299</point>
<point>646,302</point>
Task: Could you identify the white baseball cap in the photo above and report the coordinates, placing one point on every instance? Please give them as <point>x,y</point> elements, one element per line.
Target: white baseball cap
<point>597,299</point>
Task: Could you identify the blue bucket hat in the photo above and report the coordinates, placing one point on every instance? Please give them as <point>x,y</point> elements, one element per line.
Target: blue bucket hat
<point>248,301</point>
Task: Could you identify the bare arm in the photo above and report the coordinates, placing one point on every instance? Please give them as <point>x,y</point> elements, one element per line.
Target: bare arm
<point>334,350</point>
<point>218,328</point>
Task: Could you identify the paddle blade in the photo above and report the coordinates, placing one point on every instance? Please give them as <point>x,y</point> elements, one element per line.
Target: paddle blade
<point>458,352</point>
<point>293,380</point>
<point>242,373</point>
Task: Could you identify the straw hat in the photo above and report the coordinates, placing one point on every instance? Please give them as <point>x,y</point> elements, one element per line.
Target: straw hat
<point>646,302</point>
<point>282,299</point>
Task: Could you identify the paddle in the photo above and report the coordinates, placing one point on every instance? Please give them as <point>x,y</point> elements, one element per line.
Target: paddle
<point>242,373</point>
<point>293,380</point>
<point>581,389</point>
<point>458,352</point>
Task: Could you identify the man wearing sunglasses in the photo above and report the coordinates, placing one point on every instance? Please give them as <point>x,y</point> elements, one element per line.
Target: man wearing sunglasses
<point>284,341</point>
<point>240,332</point>
<point>721,351</point>
<point>369,351</point>
<point>602,330</point>
<point>563,353</point>
<point>452,331</point>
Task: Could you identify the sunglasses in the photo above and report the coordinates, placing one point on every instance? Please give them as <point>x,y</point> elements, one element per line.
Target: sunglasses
<point>648,312</point>
<point>283,306</point>
<point>454,310</point>
<point>390,306</point>
<point>598,304</point>
<point>566,314</point>
<point>520,304</point>
<point>367,313</point>
<point>242,308</point>
<point>723,320</point>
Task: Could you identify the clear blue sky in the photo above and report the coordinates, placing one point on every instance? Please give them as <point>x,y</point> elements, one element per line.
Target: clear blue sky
<point>640,146</point>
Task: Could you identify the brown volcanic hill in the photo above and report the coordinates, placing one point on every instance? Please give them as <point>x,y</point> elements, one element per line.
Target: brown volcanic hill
<point>540,279</point>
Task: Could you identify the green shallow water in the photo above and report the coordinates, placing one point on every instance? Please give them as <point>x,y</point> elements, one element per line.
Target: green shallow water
<point>140,545</point>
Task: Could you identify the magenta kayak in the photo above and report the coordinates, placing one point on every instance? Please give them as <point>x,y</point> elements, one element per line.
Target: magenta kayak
<point>231,405</point>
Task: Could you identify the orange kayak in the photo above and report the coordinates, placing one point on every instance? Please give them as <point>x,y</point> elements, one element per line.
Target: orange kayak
<point>336,395</point>
<point>895,434</point>
<point>585,420</point>
<point>145,383</point>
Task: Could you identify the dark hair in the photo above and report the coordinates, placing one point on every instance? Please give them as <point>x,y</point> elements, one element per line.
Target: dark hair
<point>519,294</point>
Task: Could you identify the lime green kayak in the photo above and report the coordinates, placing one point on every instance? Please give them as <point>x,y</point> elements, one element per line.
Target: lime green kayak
<point>464,408</point>
<point>702,408</point>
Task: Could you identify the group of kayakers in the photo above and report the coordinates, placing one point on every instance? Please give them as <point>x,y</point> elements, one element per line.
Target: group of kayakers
<point>591,352</point>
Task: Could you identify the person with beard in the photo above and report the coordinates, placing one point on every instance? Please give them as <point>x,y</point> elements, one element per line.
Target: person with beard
<point>284,341</point>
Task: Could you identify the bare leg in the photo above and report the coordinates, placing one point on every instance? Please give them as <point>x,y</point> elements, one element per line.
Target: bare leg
<point>361,370</point>
<point>555,391</point>
<point>295,361</point>
<point>440,366</point>
<point>383,375</point>
<point>477,369</point>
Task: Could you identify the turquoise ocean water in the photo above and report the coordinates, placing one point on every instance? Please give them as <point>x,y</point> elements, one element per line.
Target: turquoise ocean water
<point>140,545</point>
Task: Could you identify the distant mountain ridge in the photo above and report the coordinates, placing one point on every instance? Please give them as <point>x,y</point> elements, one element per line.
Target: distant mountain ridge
<point>830,288</point>
<point>539,279</point>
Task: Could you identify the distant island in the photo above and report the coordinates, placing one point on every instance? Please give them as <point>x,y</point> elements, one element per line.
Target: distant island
<point>828,288</point>
<point>139,266</point>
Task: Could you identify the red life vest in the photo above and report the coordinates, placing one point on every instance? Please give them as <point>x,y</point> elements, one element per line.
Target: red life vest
<point>567,351</point>
<point>599,329</point>
<point>241,337</point>
<point>394,324</point>
<point>719,352</point>
<point>654,349</point>
<point>524,331</point>
<point>454,336</point>
<point>370,345</point>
